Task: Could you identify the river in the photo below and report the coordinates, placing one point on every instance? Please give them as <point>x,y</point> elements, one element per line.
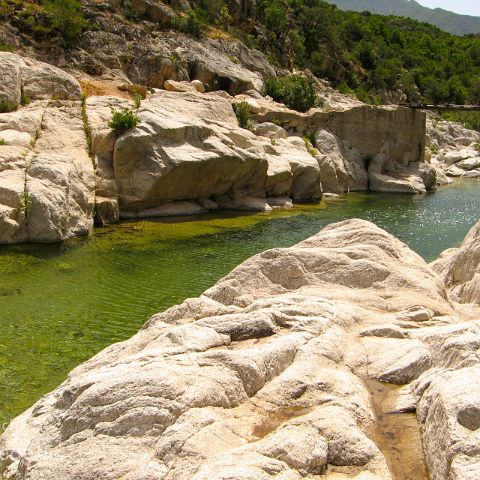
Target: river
<point>62,303</point>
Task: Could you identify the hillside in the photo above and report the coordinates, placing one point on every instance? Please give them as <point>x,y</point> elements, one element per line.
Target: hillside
<point>448,21</point>
<point>379,59</point>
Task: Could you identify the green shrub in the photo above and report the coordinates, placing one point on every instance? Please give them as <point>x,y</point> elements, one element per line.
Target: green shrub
<point>190,24</point>
<point>2,141</point>
<point>6,48</point>
<point>242,111</point>
<point>469,120</point>
<point>295,91</point>
<point>67,17</point>
<point>123,120</point>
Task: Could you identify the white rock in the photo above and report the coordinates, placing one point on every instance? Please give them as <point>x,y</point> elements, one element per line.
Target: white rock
<point>47,188</point>
<point>460,268</point>
<point>34,80</point>
<point>248,381</point>
<point>469,163</point>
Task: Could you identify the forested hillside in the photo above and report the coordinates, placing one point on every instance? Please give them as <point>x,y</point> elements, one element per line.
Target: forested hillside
<point>361,52</point>
<point>448,21</point>
<point>366,54</point>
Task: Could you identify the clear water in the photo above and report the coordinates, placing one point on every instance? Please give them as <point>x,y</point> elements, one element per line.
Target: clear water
<point>60,304</point>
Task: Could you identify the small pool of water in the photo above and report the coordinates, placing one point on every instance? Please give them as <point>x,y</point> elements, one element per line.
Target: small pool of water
<point>60,304</point>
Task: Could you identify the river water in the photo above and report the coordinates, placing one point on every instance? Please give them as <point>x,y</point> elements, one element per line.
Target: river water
<point>62,303</point>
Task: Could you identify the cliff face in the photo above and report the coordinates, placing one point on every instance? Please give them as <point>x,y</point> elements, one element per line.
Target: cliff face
<point>268,374</point>
<point>186,155</point>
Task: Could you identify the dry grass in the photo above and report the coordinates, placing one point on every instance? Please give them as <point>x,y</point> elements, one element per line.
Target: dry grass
<point>215,33</point>
<point>91,87</point>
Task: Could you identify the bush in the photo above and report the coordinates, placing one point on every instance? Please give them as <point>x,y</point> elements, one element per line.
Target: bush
<point>295,91</point>
<point>189,24</point>
<point>123,120</point>
<point>242,111</point>
<point>67,17</point>
<point>469,120</point>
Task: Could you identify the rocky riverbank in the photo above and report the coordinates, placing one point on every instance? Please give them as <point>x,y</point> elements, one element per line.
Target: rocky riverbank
<point>63,166</point>
<point>271,374</point>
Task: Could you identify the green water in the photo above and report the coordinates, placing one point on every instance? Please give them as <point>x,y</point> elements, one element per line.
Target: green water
<point>60,304</point>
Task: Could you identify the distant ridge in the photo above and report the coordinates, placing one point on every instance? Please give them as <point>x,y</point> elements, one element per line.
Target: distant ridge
<point>448,21</point>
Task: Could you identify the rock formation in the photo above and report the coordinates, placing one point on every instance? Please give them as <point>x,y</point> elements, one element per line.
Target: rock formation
<point>459,268</point>
<point>47,184</point>
<point>24,79</point>
<point>268,375</point>
<point>188,154</point>
<point>453,149</point>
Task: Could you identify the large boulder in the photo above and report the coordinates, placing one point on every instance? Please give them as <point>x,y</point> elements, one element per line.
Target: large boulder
<point>46,178</point>
<point>265,376</point>
<point>334,174</point>
<point>179,151</point>
<point>25,79</point>
<point>189,147</point>
<point>459,268</point>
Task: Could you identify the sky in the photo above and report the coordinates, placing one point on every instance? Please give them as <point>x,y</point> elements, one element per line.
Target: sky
<point>467,7</point>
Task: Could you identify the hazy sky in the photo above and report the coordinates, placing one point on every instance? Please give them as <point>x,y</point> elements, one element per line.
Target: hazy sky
<point>467,7</point>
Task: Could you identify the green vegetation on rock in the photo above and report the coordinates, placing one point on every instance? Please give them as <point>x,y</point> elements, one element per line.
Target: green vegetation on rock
<point>359,53</point>
<point>45,19</point>
<point>123,120</point>
<point>469,120</point>
<point>295,91</point>
<point>242,111</point>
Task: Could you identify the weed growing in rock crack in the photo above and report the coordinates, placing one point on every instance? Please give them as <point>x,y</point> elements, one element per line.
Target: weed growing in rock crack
<point>477,146</point>
<point>86,127</point>
<point>309,139</point>
<point>25,100</point>
<point>308,144</point>
<point>6,48</point>
<point>175,59</point>
<point>26,202</point>
<point>137,100</point>
<point>242,111</point>
<point>6,107</point>
<point>123,120</point>
<point>2,141</point>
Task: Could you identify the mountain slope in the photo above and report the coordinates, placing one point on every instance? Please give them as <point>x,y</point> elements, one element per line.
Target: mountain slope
<point>448,21</point>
